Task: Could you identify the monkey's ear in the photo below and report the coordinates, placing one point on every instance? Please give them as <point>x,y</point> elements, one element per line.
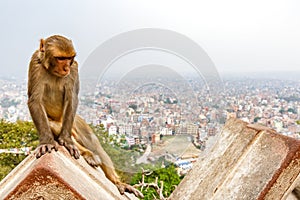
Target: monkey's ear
<point>42,45</point>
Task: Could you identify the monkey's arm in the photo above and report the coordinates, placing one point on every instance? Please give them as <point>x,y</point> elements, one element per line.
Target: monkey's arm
<point>37,110</point>
<point>69,112</point>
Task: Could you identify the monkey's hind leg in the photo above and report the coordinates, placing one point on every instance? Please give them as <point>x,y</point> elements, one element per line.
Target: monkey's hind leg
<point>90,157</point>
<point>86,141</point>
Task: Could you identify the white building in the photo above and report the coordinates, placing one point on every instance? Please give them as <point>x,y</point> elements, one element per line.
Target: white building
<point>112,130</point>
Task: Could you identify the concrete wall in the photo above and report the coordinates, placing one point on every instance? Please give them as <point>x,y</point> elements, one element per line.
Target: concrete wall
<point>247,162</point>
<point>57,176</point>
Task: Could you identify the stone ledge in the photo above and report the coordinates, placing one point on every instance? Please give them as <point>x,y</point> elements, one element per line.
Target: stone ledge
<point>58,176</point>
<point>247,162</point>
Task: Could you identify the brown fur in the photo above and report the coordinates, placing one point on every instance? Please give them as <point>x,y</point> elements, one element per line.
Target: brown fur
<point>53,87</point>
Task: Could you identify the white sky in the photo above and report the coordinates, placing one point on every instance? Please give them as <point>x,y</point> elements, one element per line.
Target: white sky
<point>238,35</point>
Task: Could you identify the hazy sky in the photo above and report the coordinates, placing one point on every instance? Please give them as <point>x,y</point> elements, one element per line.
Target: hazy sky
<point>237,35</point>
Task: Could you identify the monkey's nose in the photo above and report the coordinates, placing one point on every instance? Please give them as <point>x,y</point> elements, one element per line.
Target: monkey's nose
<point>66,68</point>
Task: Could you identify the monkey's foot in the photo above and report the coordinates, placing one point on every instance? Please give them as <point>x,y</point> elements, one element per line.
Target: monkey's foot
<point>70,146</point>
<point>123,187</point>
<point>44,148</point>
<point>92,159</point>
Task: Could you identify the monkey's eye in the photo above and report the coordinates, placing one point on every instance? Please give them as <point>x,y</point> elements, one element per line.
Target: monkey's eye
<point>60,58</point>
<point>64,58</point>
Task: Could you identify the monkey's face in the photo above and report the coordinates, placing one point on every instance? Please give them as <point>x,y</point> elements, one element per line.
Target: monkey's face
<point>58,55</point>
<point>60,60</point>
<point>62,66</point>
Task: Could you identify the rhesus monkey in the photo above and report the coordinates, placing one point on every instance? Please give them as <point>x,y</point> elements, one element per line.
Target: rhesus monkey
<point>53,87</point>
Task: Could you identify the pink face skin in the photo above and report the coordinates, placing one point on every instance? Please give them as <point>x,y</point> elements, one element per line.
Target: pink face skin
<point>63,66</point>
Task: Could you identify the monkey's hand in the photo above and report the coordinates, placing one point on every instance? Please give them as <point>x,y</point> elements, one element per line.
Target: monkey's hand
<point>66,141</point>
<point>123,187</point>
<point>44,148</point>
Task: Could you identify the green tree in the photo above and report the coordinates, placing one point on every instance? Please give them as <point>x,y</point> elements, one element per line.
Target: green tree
<point>291,110</point>
<point>281,111</point>
<point>256,119</point>
<point>133,106</point>
<point>15,135</point>
<point>168,175</point>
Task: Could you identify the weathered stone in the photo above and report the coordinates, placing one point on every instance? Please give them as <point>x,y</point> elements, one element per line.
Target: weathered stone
<point>58,176</point>
<point>247,162</point>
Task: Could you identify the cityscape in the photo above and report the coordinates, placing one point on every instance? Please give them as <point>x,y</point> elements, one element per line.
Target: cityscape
<point>144,111</point>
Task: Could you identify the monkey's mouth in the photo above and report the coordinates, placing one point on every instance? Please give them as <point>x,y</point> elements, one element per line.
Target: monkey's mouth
<point>62,73</point>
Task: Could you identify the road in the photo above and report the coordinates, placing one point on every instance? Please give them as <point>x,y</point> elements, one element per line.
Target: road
<point>144,157</point>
